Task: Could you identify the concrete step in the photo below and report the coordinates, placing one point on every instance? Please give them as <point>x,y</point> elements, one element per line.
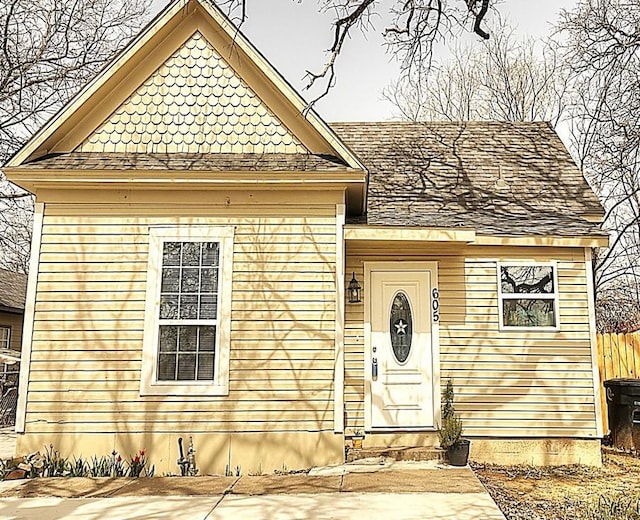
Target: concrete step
<point>415,453</point>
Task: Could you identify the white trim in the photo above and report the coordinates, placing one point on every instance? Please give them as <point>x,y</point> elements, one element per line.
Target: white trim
<point>466,235</point>
<point>435,342</point>
<point>593,339</point>
<point>543,241</point>
<point>29,315</point>
<point>399,233</point>
<point>400,266</point>
<point>366,300</point>
<point>148,380</point>
<point>6,346</point>
<point>338,375</point>
<point>528,296</point>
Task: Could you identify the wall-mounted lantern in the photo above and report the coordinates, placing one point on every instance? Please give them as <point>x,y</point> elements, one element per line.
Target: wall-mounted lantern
<point>355,291</point>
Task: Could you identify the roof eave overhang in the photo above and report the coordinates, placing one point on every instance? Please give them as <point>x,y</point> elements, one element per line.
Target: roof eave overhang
<point>595,218</point>
<point>11,310</point>
<point>408,234</point>
<point>364,233</point>
<point>353,182</point>
<point>33,179</point>
<point>586,240</point>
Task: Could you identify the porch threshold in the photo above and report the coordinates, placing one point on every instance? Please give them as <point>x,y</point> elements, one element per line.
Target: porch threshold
<point>405,453</point>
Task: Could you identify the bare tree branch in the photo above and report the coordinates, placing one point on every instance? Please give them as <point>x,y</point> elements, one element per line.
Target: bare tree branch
<point>416,25</point>
<point>505,79</point>
<point>603,53</point>
<point>48,50</point>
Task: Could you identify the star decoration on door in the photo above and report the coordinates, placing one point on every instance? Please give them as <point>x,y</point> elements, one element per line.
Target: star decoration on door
<point>401,327</point>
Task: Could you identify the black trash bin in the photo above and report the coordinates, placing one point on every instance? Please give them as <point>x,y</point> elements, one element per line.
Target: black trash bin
<point>623,407</point>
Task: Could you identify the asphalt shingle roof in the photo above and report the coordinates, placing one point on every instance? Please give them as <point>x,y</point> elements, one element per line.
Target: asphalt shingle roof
<point>214,162</point>
<point>498,178</point>
<point>13,289</point>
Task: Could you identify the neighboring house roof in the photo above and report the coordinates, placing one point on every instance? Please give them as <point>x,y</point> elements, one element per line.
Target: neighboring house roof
<point>498,178</point>
<point>13,290</point>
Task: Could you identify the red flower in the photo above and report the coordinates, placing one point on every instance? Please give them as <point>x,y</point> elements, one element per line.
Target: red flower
<point>136,460</point>
<point>142,453</point>
<point>119,459</point>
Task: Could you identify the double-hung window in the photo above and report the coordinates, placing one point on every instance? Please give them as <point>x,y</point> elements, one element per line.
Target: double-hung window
<point>5,342</point>
<point>528,296</point>
<point>5,336</point>
<point>188,311</point>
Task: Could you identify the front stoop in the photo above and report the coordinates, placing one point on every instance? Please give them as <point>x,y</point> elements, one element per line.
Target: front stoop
<point>408,453</point>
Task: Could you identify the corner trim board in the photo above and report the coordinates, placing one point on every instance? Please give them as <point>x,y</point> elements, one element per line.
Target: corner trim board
<point>588,266</point>
<point>29,316</point>
<point>338,384</point>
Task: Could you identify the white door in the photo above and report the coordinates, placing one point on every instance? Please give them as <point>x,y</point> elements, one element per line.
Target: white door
<point>401,371</point>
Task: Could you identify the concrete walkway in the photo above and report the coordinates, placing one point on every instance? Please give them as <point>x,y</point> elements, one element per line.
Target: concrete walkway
<point>352,506</point>
<point>388,491</point>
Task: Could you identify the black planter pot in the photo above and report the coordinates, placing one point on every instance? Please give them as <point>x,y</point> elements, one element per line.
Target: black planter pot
<point>458,454</point>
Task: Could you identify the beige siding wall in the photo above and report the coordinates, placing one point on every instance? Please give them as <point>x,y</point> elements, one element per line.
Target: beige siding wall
<point>89,319</point>
<point>507,383</point>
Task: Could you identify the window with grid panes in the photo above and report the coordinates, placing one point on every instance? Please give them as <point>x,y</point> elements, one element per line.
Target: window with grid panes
<point>188,311</point>
<point>188,305</point>
<point>5,336</point>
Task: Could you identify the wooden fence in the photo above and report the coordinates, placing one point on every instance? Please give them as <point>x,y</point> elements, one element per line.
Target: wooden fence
<point>618,356</point>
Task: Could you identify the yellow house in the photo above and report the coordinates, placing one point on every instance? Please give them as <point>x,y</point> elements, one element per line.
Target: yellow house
<point>195,238</point>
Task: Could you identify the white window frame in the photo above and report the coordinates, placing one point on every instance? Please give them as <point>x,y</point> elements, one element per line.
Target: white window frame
<point>8,341</point>
<point>6,345</point>
<point>149,384</point>
<point>528,296</point>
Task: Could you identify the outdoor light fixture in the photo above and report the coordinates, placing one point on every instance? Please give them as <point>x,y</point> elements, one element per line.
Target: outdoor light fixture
<point>354,290</point>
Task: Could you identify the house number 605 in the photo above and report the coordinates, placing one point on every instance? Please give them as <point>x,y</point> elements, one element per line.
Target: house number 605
<point>435,304</point>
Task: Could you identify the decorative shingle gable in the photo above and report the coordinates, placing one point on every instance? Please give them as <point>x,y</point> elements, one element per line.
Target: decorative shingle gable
<point>194,103</point>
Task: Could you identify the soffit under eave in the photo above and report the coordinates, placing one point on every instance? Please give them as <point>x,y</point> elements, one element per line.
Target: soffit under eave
<point>172,28</point>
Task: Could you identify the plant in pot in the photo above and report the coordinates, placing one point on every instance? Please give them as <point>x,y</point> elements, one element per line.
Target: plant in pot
<point>357,438</point>
<point>450,432</point>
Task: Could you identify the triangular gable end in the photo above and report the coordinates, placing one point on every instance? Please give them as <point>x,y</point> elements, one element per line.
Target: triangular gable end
<point>194,103</point>
<point>189,42</point>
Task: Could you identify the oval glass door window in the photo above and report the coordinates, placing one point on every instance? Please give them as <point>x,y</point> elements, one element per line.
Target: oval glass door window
<point>401,327</point>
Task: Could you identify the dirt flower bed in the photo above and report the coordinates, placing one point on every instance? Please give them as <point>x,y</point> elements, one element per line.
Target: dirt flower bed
<point>611,492</point>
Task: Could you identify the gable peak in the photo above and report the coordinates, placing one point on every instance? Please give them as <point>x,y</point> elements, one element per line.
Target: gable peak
<point>193,103</point>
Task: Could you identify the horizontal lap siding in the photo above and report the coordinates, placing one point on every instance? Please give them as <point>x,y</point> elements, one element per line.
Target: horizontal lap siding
<point>507,383</point>
<point>89,324</point>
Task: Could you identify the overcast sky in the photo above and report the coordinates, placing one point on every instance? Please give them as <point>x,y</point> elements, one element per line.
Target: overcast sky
<point>293,37</point>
